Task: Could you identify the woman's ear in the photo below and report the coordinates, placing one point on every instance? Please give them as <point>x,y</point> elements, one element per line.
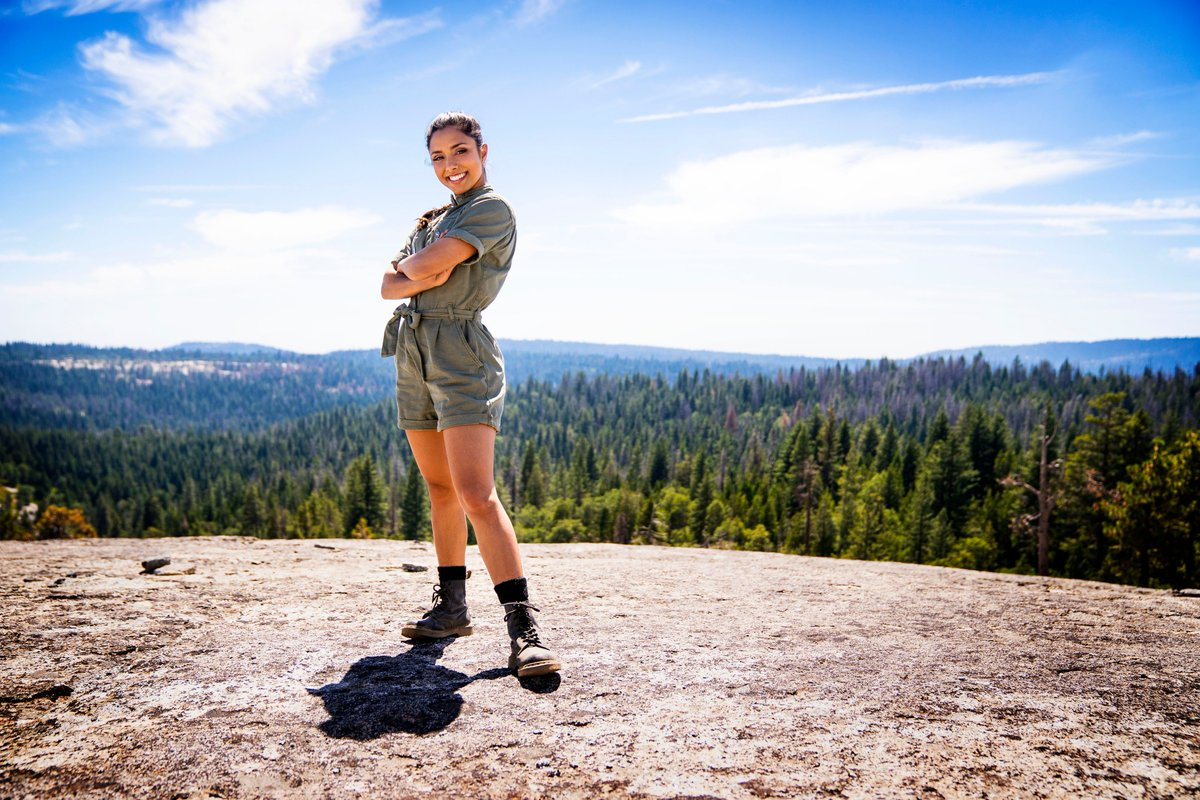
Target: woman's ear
<point>483,152</point>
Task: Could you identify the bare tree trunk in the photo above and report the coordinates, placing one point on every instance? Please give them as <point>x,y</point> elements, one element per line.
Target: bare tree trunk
<point>1046,497</point>
<point>1045,503</point>
<point>808,498</point>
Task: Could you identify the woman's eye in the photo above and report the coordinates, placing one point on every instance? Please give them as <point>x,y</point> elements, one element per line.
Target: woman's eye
<point>435,159</point>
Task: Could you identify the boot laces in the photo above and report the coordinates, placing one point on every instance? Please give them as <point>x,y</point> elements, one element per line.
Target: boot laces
<point>436,600</point>
<point>525,623</point>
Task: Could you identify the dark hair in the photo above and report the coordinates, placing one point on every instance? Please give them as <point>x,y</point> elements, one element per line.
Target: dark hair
<point>455,119</point>
<point>450,119</point>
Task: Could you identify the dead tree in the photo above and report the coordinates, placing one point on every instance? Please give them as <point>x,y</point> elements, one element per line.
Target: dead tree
<point>1046,496</point>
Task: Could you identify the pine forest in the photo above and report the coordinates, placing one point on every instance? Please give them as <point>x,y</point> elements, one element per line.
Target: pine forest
<point>957,462</point>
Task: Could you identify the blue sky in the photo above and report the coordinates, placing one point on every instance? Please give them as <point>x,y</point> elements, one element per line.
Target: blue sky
<point>829,179</point>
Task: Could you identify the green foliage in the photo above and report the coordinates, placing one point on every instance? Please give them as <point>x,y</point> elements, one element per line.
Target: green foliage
<point>364,498</point>
<point>413,517</point>
<point>57,522</point>
<point>1155,518</point>
<point>894,462</point>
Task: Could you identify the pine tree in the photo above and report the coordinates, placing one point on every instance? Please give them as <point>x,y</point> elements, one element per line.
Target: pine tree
<point>364,499</point>
<point>413,505</point>
<point>254,513</point>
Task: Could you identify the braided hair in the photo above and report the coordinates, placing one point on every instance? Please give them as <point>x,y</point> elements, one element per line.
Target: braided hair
<point>450,119</point>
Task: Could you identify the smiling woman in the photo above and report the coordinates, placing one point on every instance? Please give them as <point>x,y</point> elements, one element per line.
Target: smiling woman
<point>450,385</point>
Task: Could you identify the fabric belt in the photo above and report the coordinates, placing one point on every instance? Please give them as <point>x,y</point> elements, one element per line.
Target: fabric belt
<point>413,316</point>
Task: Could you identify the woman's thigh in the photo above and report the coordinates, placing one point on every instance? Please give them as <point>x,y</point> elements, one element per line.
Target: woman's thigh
<point>470,452</point>
<point>429,449</point>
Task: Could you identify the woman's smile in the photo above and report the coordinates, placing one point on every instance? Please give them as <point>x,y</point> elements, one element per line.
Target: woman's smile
<point>457,160</point>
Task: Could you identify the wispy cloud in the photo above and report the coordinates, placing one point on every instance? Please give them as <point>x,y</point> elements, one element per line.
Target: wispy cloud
<point>222,60</point>
<point>626,70</point>
<point>169,188</point>
<point>14,257</point>
<point>171,202</point>
<point>1122,139</point>
<point>1187,253</point>
<point>1088,217</point>
<point>853,180</point>
<point>75,7</point>
<point>278,230</point>
<point>727,85</point>
<point>532,11</point>
<point>817,97</point>
<point>5,128</point>
<point>64,127</point>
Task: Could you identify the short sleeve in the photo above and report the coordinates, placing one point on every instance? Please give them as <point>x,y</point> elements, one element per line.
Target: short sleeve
<point>487,225</point>
<point>407,250</point>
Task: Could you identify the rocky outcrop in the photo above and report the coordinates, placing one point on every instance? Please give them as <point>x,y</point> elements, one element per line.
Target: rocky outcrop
<point>275,669</point>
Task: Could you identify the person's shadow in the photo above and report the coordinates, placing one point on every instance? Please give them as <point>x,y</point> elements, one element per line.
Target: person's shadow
<point>409,693</point>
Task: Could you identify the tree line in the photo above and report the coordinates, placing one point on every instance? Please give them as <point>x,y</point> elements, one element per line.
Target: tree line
<point>942,461</point>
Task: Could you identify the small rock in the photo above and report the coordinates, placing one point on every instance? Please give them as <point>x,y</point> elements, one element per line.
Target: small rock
<point>54,692</point>
<point>543,762</point>
<point>324,547</point>
<point>149,566</point>
<point>413,568</point>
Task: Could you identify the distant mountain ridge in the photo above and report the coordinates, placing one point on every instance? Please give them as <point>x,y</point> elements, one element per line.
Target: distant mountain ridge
<point>550,359</point>
<point>1131,355</point>
<point>223,348</point>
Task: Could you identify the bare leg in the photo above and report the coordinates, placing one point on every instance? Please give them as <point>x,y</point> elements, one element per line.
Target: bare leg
<point>470,453</point>
<point>445,513</point>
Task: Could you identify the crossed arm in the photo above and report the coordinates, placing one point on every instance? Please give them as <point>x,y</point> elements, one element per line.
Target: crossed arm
<point>425,268</point>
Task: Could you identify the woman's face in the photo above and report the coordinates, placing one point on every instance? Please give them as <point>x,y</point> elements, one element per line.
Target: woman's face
<point>457,161</point>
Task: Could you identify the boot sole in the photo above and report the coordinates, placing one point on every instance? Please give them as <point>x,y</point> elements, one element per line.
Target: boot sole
<point>410,632</point>
<point>544,667</point>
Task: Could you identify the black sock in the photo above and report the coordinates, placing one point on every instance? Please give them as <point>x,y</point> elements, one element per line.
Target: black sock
<point>452,574</point>
<point>514,591</point>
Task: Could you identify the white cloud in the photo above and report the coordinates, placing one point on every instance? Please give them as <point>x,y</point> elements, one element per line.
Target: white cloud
<point>222,60</point>
<point>532,11</point>
<point>818,97</point>
<point>171,202</point>
<point>279,230</point>
<point>1187,253</point>
<point>851,180</point>
<point>1089,217</point>
<point>1122,139</point>
<point>331,301</point>
<point>6,128</point>
<point>35,258</point>
<point>725,85</point>
<point>626,70</point>
<point>74,7</point>
<point>62,128</point>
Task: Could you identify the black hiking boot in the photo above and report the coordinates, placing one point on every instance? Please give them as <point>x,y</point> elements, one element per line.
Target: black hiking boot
<point>529,656</point>
<point>448,617</point>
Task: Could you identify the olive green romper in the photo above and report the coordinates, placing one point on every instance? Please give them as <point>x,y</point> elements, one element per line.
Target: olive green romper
<point>449,369</point>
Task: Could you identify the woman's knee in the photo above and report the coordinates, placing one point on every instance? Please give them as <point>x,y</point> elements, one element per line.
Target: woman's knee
<point>441,492</point>
<point>477,498</point>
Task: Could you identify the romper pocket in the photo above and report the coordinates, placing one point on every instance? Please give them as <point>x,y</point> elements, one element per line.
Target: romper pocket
<point>461,329</point>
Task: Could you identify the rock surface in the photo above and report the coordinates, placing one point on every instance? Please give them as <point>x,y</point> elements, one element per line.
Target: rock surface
<point>276,670</point>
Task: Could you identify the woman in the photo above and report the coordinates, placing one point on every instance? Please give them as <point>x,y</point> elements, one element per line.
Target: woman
<point>450,385</point>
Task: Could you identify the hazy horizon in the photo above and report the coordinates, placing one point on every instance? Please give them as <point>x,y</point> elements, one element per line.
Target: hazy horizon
<point>504,340</point>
